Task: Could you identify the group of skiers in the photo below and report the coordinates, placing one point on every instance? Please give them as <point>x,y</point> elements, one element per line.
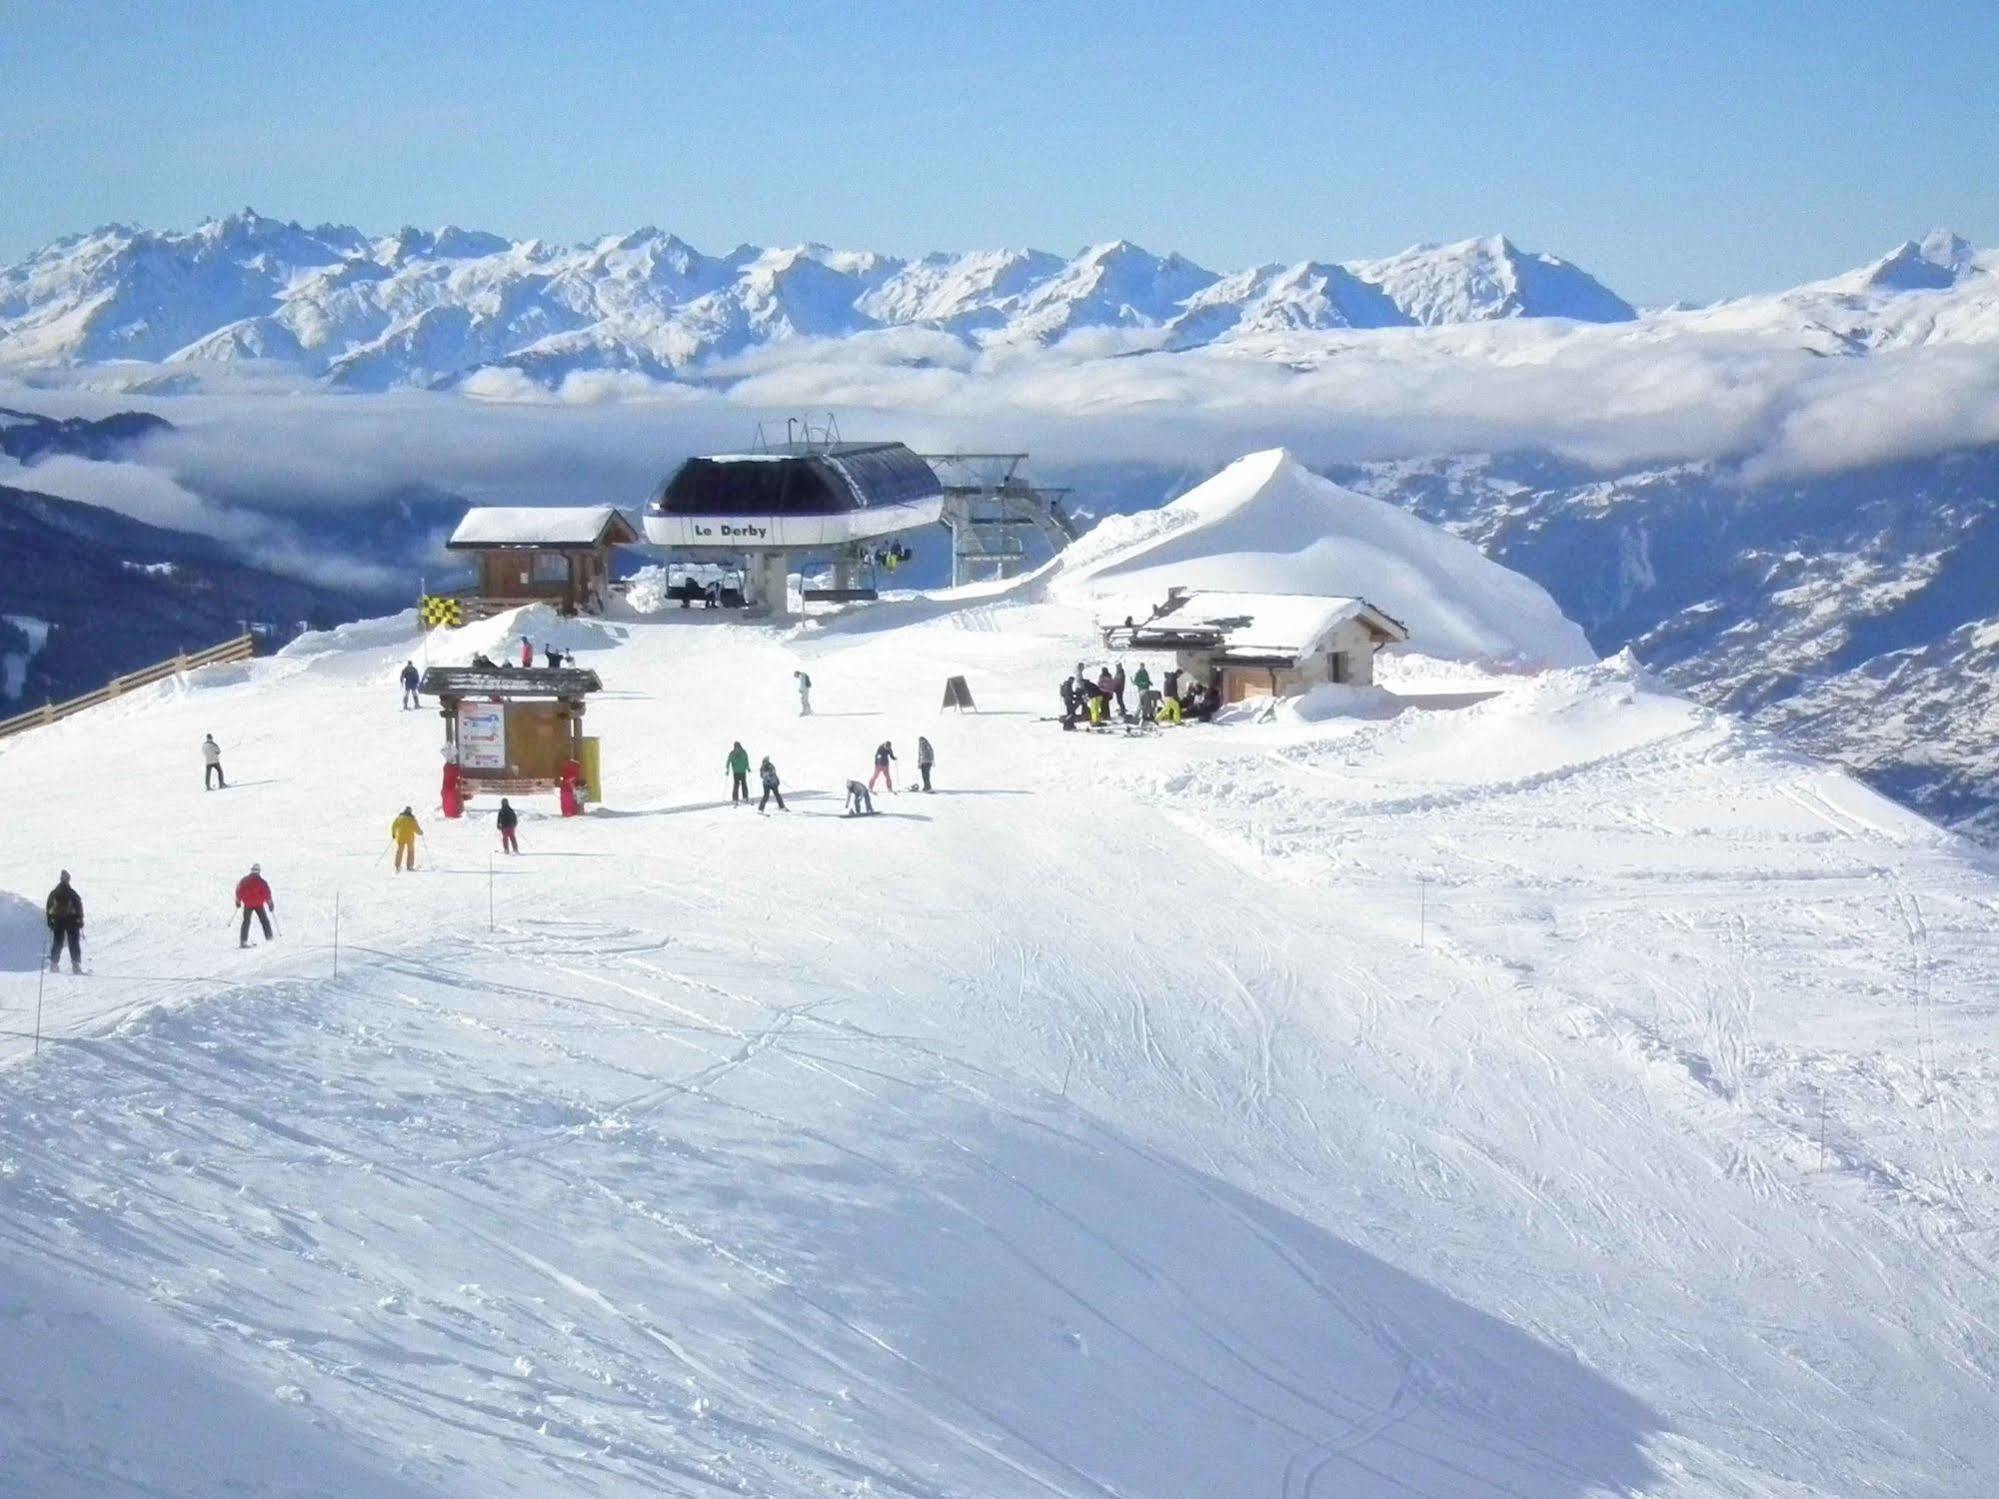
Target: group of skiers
<point>860,798</point>
<point>1093,696</point>
<point>892,556</point>
<point>552,659</point>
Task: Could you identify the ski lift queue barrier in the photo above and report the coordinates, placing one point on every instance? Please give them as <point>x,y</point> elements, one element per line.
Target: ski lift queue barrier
<point>242,648</point>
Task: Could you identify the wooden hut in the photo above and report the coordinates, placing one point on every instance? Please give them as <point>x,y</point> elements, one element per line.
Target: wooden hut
<point>513,731</point>
<point>558,555</point>
<point>1263,644</point>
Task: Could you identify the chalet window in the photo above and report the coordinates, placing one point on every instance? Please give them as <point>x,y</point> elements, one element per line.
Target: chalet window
<point>1337,669</point>
<point>551,567</point>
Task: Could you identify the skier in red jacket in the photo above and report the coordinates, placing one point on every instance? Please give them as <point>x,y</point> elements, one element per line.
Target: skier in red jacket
<point>253,897</point>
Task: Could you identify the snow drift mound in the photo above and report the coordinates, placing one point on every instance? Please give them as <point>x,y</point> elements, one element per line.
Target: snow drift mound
<point>24,939</point>
<point>1268,524</point>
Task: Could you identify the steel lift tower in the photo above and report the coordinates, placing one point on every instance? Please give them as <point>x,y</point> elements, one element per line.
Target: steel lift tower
<point>992,511</point>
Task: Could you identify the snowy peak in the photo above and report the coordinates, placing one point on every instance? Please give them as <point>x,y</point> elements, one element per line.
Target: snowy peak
<point>1476,280</point>
<point>1267,524</point>
<point>1932,263</point>
<point>1112,285</point>
<point>1280,299</point>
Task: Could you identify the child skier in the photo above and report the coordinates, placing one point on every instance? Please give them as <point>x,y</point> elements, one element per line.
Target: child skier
<point>507,821</point>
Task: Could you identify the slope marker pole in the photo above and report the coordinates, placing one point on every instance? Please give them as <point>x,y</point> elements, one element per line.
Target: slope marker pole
<point>490,925</point>
<point>41,978</point>
<point>336,932</point>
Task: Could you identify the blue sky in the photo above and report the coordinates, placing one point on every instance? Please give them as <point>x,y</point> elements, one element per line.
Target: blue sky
<point>1683,150</point>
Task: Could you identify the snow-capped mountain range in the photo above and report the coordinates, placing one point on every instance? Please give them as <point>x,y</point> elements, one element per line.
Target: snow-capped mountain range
<point>427,308</point>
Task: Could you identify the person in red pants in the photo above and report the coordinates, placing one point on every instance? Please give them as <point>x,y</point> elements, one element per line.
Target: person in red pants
<point>884,754</point>
<point>508,820</point>
<point>254,898</point>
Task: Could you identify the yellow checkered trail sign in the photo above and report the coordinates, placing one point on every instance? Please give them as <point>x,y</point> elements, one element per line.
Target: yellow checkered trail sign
<point>441,613</point>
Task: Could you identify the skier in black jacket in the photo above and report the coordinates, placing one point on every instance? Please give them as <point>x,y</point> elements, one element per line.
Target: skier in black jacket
<point>64,910</point>
<point>410,680</point>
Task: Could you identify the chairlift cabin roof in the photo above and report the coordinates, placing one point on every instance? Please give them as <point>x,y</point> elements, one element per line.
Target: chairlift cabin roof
<point>795,494</point>
<point>542,527</point>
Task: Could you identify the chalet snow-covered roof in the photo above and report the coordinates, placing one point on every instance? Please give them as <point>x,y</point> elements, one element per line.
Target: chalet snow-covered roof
<point>543,526</point>
<point>1272,624</point>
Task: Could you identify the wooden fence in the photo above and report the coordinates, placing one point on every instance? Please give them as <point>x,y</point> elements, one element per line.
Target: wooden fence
<point>242,648</point>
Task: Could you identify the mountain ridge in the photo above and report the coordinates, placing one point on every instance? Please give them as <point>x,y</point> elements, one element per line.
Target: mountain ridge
<point>421,307</point>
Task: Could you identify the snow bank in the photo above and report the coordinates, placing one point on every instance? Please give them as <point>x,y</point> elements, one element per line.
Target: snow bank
<point>362,634</point>
<point>23,936</point>
<point>500,636</point>
<point>1267,524</point>
<point>1330,700</point>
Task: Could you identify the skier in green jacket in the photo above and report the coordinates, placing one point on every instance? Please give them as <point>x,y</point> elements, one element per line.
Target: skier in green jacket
<point>739,773</point>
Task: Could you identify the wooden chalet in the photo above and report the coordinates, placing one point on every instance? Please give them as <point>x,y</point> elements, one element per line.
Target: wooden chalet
<point>1263,644</point>
<point>559,555</point>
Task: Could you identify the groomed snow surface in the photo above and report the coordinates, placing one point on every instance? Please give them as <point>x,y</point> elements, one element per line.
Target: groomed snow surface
<point>1534,1086</point>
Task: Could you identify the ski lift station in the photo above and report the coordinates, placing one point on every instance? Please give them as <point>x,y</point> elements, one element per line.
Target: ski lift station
<point>814,498</point>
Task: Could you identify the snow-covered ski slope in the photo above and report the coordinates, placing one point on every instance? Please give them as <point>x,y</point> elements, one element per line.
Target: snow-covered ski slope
<point>1552,1090</point>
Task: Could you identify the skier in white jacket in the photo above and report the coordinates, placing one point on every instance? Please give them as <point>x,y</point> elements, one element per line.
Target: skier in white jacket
<point>211,756</point>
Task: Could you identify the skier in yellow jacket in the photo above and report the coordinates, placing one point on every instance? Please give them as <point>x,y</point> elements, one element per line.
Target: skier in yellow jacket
<point>406,832</point>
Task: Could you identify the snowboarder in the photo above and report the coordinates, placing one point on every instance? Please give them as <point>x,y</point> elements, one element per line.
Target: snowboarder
<point>507,820</point>
<point>527,651</point>
<point>738,765</point>
<point>925,758</point>
<point>804,694</point>
<point>405,832</point>
<point>254,898</point>
<point>858,799</point>
<point>410,680</point>
<point>64,911</point>
<point>1117,691</point>
<point>211,755</point>
<point>1169,709</point>
<point>767,773</point>
<point>1068,702</point>
<point>884,754</point>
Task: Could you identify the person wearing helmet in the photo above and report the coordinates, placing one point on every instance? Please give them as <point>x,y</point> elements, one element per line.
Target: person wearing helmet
<point>254,898</point>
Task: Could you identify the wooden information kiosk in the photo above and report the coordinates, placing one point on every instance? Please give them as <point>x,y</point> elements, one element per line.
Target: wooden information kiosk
<point>515,732</point>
